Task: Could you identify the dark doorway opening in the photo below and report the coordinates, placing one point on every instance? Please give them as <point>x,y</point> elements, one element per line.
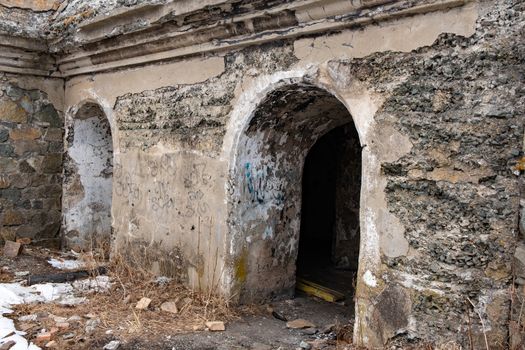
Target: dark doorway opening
<point>329,237</point>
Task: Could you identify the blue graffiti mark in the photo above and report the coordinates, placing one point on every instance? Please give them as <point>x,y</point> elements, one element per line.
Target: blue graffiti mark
<point>262,187</point>
<point>268,232</point>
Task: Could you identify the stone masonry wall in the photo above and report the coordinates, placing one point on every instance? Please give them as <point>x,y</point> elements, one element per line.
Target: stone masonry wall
<point>31,149</point>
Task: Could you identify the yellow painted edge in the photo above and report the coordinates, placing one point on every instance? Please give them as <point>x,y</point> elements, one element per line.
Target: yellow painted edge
<point>311,290</point>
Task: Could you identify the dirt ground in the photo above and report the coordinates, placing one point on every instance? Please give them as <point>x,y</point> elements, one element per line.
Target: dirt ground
<point>260,331</point>
<point>112,315</point>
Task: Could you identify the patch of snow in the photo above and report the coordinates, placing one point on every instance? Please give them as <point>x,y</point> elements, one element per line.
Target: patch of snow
<point>66,264</point>
<point>369,279</point>
<point>63,293</point>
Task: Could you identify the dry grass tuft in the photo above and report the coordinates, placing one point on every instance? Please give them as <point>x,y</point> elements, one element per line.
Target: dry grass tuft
<point>117,313</point>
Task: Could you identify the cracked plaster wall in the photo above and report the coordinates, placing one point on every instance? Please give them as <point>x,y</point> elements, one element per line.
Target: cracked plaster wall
<point>439,116</point>
<point>88,171</point>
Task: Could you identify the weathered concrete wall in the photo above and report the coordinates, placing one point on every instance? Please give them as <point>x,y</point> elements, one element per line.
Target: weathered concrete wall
<point>422,116</point>
<point>438,118</point>
<point>88,178</point>
<point>31,145</point>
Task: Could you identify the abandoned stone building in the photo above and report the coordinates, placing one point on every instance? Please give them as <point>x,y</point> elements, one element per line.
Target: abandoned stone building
<point>234,144</point>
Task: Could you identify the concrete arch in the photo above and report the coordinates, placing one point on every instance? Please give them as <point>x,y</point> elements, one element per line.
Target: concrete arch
<point>374,217</point>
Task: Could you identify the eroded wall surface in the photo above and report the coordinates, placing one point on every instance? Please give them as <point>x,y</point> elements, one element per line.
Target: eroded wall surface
<point>88,181</point>
<point>439,122</point>
<point>31,146</point>
<point>207,170</point>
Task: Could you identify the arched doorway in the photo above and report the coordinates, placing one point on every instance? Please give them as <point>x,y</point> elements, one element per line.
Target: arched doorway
<point>88,179</point>
<point>267,188</point>
<point>330,231</point>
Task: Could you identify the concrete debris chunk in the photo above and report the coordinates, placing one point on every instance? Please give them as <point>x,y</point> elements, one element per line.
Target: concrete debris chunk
<point>43,337</point>
<point>299,324</point>
<point>91,325</point>
<point>143,303</point>
<point>304,345</point>
<point>215,326</point>
<point>169,306</point>
<point>7,345</point>
<point>52,344</point>
<point>12,249</point>
<point>112,345</point>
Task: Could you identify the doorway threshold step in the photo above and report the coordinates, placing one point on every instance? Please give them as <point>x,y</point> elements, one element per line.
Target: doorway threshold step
<point>318,290</point>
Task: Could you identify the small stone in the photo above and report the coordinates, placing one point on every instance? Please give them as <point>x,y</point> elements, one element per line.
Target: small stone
<point>12,249</point>
<point>53,331</point>
<point>68,336</point>
<point>143,303</point>
<point>51,344</point>
<point>25,326</point>
<point>21,273</point>
<point>259,346</point>
<point>169,306</point>
<point>7,345</point>
<point>28,318</point>
<point>328,328</point>
<point>181,304</point>
<point>63,325</point>
<point>305,345</point>
<point>299,324</point>
<point>309,331</point>
<point>43,337</point>
<point>215,326</point>
<point>91,325</point>
<point>112,345</point>
<point>74,318</point>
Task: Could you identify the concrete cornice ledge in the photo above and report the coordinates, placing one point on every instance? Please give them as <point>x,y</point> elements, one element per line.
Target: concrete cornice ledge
<point>152,33</point>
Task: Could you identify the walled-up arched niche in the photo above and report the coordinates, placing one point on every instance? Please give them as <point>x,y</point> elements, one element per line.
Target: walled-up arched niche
<point>88,179</point>
<point>295,195</point>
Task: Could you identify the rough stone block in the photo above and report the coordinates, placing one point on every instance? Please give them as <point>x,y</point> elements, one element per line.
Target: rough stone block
<point>12,249</point>
<point>27,231</point>
<point>54,134</point>
<point>25,168</point>
<point>8,233</point>
<point>6,150</point>
<point>8,165</point>
<point>49,115</point>
<point>519,261</point>
<point>19,181</point>
<point>4,181</point>
<point>12,112</point>
<point>11,194</point>
<point>26,133</point>
<point>52,163</point>
<point>4,135</point>
<point>13,217</point>
<point>215,326</point>
<point>24,147</point>
<point>39,5</point>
